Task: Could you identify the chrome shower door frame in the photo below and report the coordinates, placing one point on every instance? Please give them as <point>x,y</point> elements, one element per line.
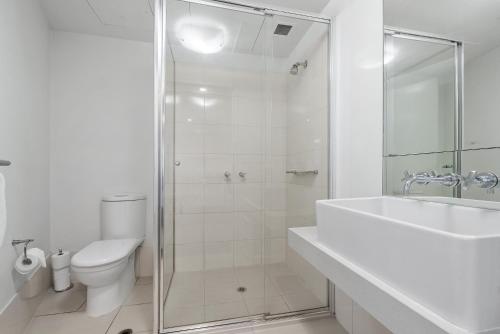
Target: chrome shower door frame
<point>160,79</point>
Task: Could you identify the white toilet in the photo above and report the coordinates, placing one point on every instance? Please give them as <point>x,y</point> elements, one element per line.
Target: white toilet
<point>107,266</point>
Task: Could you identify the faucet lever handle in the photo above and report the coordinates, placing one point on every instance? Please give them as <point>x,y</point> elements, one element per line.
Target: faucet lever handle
<point>406,175</point>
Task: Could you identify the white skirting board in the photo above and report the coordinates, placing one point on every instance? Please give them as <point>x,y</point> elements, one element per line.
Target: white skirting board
<point>397,312</point>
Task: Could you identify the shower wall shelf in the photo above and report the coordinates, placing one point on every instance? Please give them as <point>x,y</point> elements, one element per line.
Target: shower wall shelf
<point>302,172</point>
<point>5,162</point>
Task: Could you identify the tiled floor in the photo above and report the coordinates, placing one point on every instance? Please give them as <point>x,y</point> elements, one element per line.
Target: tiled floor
<point>197,297</point>
<point>64,312</point>
<point>194,297</point>
<point>322,325</point>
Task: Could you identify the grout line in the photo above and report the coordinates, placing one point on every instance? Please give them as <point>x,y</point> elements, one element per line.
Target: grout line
<point>127,305</point>
<point>113,320</point>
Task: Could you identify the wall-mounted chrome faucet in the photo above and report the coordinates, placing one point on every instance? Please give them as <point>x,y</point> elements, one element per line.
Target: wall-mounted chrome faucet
<point>448,180</point>
<point>485,180</point>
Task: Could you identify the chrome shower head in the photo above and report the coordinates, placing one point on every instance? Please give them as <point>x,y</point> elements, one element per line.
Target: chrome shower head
<point>294,70</point>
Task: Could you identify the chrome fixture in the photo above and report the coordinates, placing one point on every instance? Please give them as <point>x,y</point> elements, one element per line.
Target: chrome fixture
<point>242,174</point>
<point>484,180</point>
<point>295,67</point>
<point>227,175</point>
<point>301,172</point>
<point>26,242</point>
<point>448,180</point>
<point>4,162</point>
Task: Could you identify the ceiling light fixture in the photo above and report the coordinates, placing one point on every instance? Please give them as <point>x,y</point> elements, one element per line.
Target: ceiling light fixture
<point>201,35</point>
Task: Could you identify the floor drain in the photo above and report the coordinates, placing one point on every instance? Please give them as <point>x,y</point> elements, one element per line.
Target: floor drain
<point>242,289</point>
<point>126,331</point>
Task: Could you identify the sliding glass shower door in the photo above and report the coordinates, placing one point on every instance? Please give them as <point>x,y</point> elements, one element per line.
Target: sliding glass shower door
<point>250,100</point>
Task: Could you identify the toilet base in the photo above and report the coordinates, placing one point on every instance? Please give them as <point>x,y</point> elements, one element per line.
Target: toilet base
<point>105,299</point>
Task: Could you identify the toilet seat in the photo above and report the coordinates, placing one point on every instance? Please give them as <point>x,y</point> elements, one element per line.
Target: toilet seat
<point>106,267</point>
<point>104,254</point>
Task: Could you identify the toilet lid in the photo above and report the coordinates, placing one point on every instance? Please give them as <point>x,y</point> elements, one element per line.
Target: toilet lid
<point>104,252</point>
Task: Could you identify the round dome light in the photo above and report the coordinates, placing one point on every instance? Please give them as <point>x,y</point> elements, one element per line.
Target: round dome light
<point>200,35</point>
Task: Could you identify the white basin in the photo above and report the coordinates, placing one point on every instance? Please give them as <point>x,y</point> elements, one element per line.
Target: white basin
<point>445,257</point>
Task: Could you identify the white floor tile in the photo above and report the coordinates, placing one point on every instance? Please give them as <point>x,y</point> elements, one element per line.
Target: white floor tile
<point>273,305</point>
<point>136,317</point>
<point>187,280</point>
<point>140,294</point>
<point>181,316</point>
<point>62,302</point>
<point>222,293</point>
<point>302,301</point>
<point>314,326</point>
<point>215,312</point>
<point>287,284</point>
<point>74,323</point>
<point>178,297</point>
<point>219,276</point>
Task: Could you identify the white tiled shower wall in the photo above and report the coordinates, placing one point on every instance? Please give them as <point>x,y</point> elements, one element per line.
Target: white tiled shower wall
<point>307,147</point>
<point>229,121</point>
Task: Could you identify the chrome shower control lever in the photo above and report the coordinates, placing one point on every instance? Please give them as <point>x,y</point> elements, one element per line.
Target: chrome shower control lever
<point>484,180</point>
<point>242,174</point>
<point>227,174</point>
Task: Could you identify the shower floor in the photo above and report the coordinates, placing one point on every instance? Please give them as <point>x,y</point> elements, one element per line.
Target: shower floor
<point>212,295</point>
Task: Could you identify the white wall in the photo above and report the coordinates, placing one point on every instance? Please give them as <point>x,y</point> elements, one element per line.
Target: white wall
<point>358,123</point>
<point>220,222</point>
<point>358,120</point>
<point>24,137</point>
<point>101,102</point>
<point>481,100</point>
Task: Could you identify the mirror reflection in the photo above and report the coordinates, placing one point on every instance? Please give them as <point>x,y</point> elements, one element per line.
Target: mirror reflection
<point>441,66</point>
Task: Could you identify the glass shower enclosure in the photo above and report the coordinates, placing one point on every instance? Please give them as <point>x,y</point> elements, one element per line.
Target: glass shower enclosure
<point>242,148</point>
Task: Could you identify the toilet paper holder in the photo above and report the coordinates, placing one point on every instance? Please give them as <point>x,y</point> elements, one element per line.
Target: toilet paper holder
<point>26,242</point>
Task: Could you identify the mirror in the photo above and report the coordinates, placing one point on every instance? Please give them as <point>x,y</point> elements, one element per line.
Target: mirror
<point>441,78</point>
<point>419,94</point>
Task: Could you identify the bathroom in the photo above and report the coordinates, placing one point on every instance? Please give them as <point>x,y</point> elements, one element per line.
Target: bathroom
<point>271,166</point>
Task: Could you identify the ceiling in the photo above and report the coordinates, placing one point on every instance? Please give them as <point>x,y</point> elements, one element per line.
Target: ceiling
<point>246,33</point>
<point>475,22</point>
<point>249,36</point>
<point>127,19</point>
<point>133,19</point>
